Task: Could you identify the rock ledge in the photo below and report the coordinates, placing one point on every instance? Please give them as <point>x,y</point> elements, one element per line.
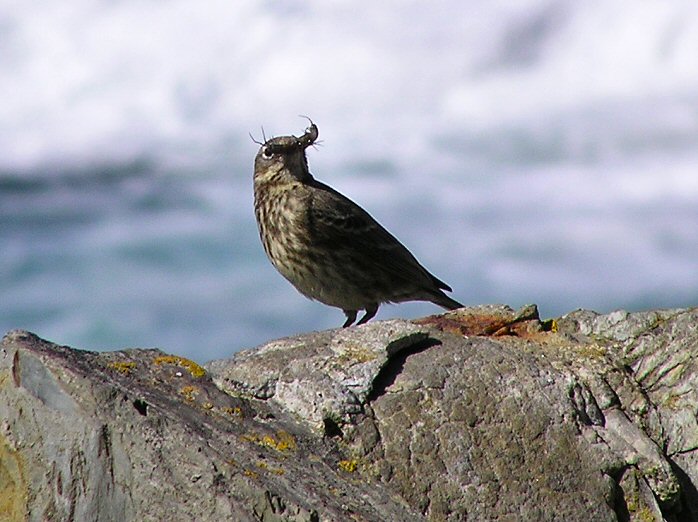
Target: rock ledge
<point>482,413</point>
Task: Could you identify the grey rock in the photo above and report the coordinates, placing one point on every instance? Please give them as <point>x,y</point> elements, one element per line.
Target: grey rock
<point>483,413</point>
<point>323,377</point>
<point>488,413</point>
<point>140,435</point>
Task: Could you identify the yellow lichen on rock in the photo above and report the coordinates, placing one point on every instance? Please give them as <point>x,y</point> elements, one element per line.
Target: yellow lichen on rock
<point>235,412</point>
<point>282,442</point>
<point>349,465</point>
<point>276,471</point>
<point>194,369</point>
<point>13,487</point>
<point>189,392</point>
<point>251,474</point>
<point>124,367</point>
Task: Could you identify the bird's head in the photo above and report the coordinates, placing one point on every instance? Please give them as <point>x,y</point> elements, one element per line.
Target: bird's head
<point>282,159</point>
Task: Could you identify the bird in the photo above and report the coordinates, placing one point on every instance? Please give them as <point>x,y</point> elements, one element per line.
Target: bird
<point>328,247</point>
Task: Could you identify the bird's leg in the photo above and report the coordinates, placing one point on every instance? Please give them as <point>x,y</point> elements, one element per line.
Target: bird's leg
<point>370,312</point>
<point>351,317</point>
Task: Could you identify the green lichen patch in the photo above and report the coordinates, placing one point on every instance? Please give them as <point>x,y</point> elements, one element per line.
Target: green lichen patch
<point>356,354</point>
<point>592,351</point>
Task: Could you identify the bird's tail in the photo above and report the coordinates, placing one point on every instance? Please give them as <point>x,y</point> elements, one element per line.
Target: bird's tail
<point>443,300</point>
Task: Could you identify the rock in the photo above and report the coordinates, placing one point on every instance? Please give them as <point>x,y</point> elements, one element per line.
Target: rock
<point>324,378</point>
<point>490,414</point>
<point>482,413</point>
<point>141,435</point>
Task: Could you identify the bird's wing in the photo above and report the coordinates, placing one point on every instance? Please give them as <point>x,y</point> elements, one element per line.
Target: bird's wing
<point>341,225</point>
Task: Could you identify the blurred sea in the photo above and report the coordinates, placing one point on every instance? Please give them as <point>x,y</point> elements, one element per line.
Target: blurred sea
<point>531,151</point>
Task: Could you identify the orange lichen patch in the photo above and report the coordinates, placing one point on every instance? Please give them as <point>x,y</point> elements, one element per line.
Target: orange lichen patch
<point>467,325</point>
<point>526,329</point>
<point>194,369</point>
<point>672,402</point>
<point>523,323</point>
<point>124,367</point>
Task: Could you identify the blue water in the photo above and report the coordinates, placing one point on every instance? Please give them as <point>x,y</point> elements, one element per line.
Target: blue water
<point>539,152</point>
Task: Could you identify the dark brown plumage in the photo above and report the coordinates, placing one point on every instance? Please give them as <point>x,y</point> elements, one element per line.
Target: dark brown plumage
<point>327,246</point>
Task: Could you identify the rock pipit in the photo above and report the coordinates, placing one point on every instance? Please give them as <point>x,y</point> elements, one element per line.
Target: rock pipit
<point>326,245</point>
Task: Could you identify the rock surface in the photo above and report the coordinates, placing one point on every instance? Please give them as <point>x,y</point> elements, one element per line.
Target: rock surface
<point>478,414</point>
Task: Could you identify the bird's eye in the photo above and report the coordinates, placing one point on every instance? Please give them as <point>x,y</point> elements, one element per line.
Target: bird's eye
<point>267,153</point>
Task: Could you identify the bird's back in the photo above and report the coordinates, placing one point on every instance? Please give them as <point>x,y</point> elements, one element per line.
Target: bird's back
<point>373,257</point>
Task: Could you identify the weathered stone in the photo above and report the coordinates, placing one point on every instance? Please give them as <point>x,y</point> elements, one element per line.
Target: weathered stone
<point>490,414</point>
<point>323,378</point>
<point>479,414</point>
<point>139,435</point>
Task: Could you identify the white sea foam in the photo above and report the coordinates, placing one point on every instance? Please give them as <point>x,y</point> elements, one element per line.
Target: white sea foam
<point>541,151</point>
<point>89,81</point>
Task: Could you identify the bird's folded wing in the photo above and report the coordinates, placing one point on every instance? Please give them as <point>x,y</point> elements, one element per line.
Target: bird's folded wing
<point>341,225</point>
